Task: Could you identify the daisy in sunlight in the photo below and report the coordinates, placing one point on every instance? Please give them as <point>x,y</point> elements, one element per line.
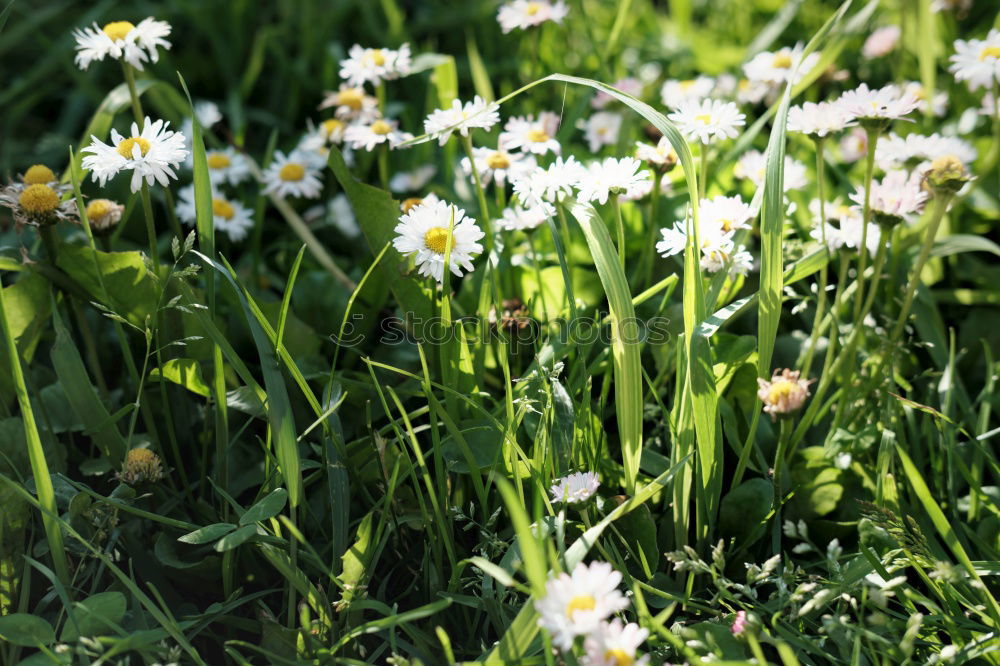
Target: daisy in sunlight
<point>977,61</point>
<point>374,65</point>
<point>121,40</point>
<point>615,644</point>
<point>532,134</point>
<point>151,155</point>
<point>424,233</point>
<point>524,14</point>
<point>520,218</point>
<point>575,604</point>
<point>611,176</point>
<point>462,118</point>
<point>575,488</point>
<point>351,103</point>
<point>228,216</point>
<point>708,120</point>
<point>499,165</point>
<point>383,130</point>
<point>293,175</point>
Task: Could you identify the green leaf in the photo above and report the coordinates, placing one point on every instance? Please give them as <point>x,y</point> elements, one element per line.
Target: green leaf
<point>945,247</point>
<point>131,291</point>
<point>236,539</point>
<point>744,508</point>
<point>26,630</point>
<point>29,305</point>
<point>268,507</point>
<point>95,616</point>
<point>355,559</point>
<point>185,372</point>
<point>207,534</point>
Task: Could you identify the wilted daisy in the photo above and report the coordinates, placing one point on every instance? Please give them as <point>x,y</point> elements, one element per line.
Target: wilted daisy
<point>977,61</point>
<point>39,174</point>
<point>575,488</point>
<point>423,233</point>
<point>627,85</point>
<point>662,155</point>
<point>675,92</point>
<point>293,175</point>
<point>601,129</point>
<point>780,66</point>
<point>524,14</point>
<point>531,134</point>
<point>611,176</point>
<point>576,604</point>
<point>818,120</point>
<point>374,65</point>
<point>227,165</point>
<point>784,394</point>
<point>141,465</point>
<point>228,215</point>
<point>351,103</point>
<point>383,130</point>
<point>882,42</point>
<point>151,154</point>
<point>752,165</point>
<point>854,145</point>
<point>459,117</point>
<point>498,164</point>
<point>121,40</point>
<point>615,644</point>
<point>104,214</point>
<point>708,120</point>
<point>895,198</point>
<point>36,204</point>
<point>549,184</point>
<point>410,181</point>
<point>877,107</point>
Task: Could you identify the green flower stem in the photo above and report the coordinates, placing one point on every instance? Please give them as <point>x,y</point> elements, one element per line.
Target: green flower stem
<point>620,228</point>
<point>873,135</point>
<point>484,209</point>
<point>383,166</point>
<point>784,436</point>
<point>649,252</point>
<point>147,210</point>
<point>703,175</point>
<point>821,296</point>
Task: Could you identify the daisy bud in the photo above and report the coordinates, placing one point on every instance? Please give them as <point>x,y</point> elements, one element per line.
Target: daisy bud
<point>141,465</point>
<point>739,623</point>
<point>784,394</point>
<point>103,215</point>
<point>946,175</point>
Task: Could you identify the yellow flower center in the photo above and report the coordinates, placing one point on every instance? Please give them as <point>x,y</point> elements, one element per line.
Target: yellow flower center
<point>990,52</point>
<point>39,173</point>
<point>918,92</point>
<point>743,84</point>
<point>781,390</point>
<point>351,97</point>
<point>537,135</point>
<point>727,224</point>
<point>125,147</point>
<point>686,85</point>
<point>532,8</point>
<point>222,208</point>
<point>98,208</point>
<point>410,203</point>
<point>381,127</point>
<point>331,125</point>
<point>117,30</point>
<point>139,457</point>
<point>704,119</point>
<point>580,603</point>
<point>436,239</point>
<point>618,657</point>
<point>38,198</point>
<point>218,160</point>
<point>781,61</point>
<point>292,171</point>
<point>497,161</point>
<point>378,57</point>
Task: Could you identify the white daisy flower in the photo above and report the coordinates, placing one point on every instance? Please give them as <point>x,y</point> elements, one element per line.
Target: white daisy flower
<point>477,114</point>
<point>611,176</point>
<point>601,129</point>
<point>882,42</point>
<point>882,105</point>
<point>615,644</point>
<point>894,151</point>
<point>662,155</point>
<point>675,92</point>
<point>410,181</point>
<point>316,142</point>
<point>576,604</point>
<point>423,233</point>
<point>549,184</point>
<point>779,67</point>
<point>752,92</point>
<point>718,249</point>
<point>848,232</point>
<point>498,164</point>
<point>383,130</point>
<point>752,165</point>
<point>121,40</point>
<point>936,105</point>
<point>532,135</point>
<point>575,488</point>
<point>338,213</point>
<point>897,197</point>
<point>293,175</point>
<point>374,65</point>
<point>226,166</point>
<point>977,61</point>
<point>727,213</point>
<point>818,119</point>
<point>524,14</point>
<point>708,120</point>
<point>229,216</point>
<point>854,145</point>
<point>151,154</point>
<point>351,103</point>
<point>207,113</point>
<point>644,189</point>
<point>627,85</point>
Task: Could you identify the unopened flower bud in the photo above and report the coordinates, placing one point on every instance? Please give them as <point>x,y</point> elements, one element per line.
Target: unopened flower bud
<point>946,174</point>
